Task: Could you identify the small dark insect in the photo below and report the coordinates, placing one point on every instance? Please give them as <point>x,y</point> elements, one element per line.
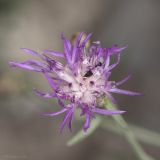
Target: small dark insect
<point>88,74</point>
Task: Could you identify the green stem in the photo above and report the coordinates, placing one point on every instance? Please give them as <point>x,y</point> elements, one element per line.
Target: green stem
<point>128,133</point>
<point>142,134</point>
<point>81,135</point>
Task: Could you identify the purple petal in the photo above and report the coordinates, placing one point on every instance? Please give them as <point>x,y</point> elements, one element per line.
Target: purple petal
<point>107,75</point>
<point>66,118</point>
<point>123,80</point>
<point>113,100</point>
<point>45,95</point>
<point>87,122</point>
<point>67,48</point>
<point>107,61</point>
<point>115,64</point>
<point>75,48</point>
<point>35,63</point>
<point>70,122</point>
<point>79,38</point>
<point>25,66</point>
<point>53,64</point>
<point>86,39</point>
<point>107,112</point>
<point>53,53</point>
<point>115,49</point>
<point>50,80</point>
<point>31,52</point>
<point>82,112</point>
<point>55,113</point>
<point>120,91</point>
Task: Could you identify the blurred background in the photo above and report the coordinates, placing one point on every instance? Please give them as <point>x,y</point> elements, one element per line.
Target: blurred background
<point>37,24</point>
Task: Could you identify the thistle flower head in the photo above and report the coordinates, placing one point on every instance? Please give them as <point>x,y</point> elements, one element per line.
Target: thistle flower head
<point>82,80</point>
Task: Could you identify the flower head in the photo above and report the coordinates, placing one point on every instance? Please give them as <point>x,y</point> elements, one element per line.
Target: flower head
<point>81,80</point>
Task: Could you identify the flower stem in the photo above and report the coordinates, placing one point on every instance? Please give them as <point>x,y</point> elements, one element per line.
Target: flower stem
<point>130,137</point>
<point>142,134</point>
<point>81,135</point>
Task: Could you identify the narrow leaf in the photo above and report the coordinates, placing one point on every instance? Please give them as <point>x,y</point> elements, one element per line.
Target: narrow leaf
<point>81,135</point>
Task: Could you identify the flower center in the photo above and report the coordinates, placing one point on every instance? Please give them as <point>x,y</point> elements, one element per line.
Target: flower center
<point>84,87</point>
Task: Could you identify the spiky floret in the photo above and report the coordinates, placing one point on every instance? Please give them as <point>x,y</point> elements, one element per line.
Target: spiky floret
<point>82,80</point>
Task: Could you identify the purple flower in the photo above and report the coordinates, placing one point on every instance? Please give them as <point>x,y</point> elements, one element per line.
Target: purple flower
<point>81,80</point>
